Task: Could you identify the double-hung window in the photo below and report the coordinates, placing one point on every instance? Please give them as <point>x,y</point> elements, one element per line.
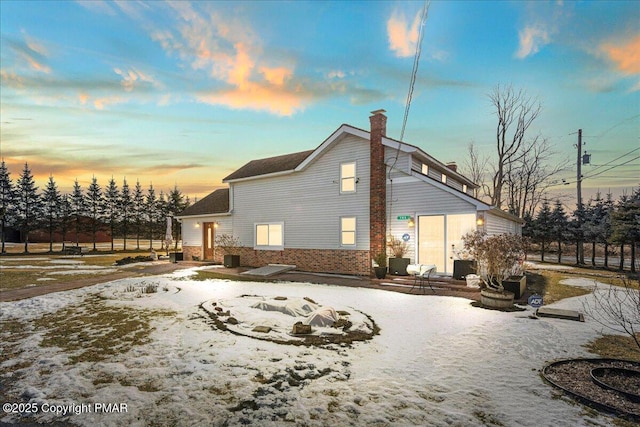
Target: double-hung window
<point>348,231</point>
<point>269,236</point>
<point>348,177</point>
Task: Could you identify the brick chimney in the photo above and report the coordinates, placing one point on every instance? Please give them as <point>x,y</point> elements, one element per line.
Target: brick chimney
<point>453,166</point>
<point>378,185</point>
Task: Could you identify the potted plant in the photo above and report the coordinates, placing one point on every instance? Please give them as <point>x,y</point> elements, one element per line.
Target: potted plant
<point>230,247</point>
<point>380,265</point>
<point>463,264</point>
<point>499,260</point>
<point>398,263</point>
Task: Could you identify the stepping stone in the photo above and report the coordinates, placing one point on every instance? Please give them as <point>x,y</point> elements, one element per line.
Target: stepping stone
<point>558,313</point>
<point>262,329</point>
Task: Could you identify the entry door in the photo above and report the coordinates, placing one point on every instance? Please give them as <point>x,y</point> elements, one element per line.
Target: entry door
<point>208,240</point>
<point>440,235</point>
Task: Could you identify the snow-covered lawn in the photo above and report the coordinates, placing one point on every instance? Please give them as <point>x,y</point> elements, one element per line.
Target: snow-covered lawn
<point>437,361</point>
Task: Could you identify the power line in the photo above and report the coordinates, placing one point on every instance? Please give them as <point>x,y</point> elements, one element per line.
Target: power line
<point>416,61</point>
<point>612,167</point>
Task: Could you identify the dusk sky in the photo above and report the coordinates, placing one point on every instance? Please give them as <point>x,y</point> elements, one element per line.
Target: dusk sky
<point>186,92</point>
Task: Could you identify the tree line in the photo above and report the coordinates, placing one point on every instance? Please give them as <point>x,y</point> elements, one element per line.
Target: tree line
<point>602,222</point>
<point>123,211</point>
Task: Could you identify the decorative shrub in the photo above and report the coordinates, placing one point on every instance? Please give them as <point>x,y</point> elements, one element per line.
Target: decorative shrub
<point>398,247</point>
<point>498,257</point>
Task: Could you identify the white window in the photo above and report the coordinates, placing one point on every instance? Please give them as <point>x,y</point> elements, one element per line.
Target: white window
<point>425,169</point>
<point>270,236</point>
<point>464,188</point>
<point>348,177</point>
<point>348,231</point>
<point>444,178</point>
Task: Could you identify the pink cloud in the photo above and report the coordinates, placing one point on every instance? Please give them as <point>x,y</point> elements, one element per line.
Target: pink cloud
<point>402,36</point>
<point>625,56</point>
<point>532,38</point>
<point>229,51</point>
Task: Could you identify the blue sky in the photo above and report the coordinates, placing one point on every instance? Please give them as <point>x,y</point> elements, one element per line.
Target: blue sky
<point>186,92</point>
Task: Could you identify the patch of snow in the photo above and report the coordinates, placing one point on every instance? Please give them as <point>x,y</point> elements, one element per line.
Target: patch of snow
<point>532,265</point>
<point>65,261</point>
<point>437,361</point>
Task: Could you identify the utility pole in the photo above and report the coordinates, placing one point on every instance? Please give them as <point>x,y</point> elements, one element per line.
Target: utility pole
<point>580,248</point>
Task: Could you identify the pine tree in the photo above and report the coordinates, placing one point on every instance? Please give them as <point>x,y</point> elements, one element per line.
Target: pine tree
<point>29,205</point>
<point>607,229</point>
<point>577,231</point>
<point>126,203</point>
<point>559,223</point>
<point>95,209</point>
<point>543,227</point>
<point>77,209</point>
<point>66,213</point>
<point>625,223</point>
<point>162,215</point>
<point>52,200</point>
<point>176,203</point>
<point>7,202</point>
<point>111,200</point>
<point>151,206</point>
<point>595,224</point>
<point>138,211</point>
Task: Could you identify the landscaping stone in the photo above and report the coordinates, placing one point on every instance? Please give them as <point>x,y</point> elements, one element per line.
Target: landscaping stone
<point>262,329</point>
<point>301,329</point>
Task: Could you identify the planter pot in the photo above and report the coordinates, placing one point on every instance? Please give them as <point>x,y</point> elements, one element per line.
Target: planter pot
<point>381,272</point>
<point>176,256</point>
<point>462,268</point>
<point>232,261</point>
<point>398,266</point>
<point>496,299</point>
<point>515,284</point>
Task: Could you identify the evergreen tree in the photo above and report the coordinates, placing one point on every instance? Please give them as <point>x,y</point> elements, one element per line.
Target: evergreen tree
<point>577,232</point>
<point>151,206</point>
<point>559,223</point>
<point>66,217</point>
<point>162,215</point>
<point>28,205</point>
<point>138,212</point>
<point>52,200</point>
<point>625,223</point>
<point>176,203</point>
<point>77,209</point>
<point>543,227</point>
<point>595,224</point>
<point>7,202</point>
<point>126,205</point>
<point>95,209</point>
<point>111,200</point>
<point>607,229</point>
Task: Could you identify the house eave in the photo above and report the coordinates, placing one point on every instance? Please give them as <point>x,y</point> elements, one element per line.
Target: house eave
<point>266,175</point>
<point>181,217</point>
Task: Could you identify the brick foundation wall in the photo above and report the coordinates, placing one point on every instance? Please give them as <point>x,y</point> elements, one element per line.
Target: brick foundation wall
<point>190,251</point>
<point>314,260</point>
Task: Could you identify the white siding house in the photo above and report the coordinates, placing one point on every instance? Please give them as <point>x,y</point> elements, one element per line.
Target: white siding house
<point>317,209</point>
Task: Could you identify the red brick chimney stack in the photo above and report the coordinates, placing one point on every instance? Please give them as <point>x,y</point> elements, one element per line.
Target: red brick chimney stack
<point>378,185</point>
<point>453,166</point>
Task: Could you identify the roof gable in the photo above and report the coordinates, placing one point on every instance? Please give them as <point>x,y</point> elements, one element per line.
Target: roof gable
<point>214,203</point>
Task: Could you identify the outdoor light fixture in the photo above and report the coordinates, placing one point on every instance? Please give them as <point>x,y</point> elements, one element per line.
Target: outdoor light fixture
<point>198,224</point>
<point>411,222</point>
<point>480,220</point>
<point>215,225</point>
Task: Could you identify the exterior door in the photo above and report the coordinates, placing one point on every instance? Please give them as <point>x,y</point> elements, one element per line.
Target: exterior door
<point>439,236</point>
<point>208,240</point>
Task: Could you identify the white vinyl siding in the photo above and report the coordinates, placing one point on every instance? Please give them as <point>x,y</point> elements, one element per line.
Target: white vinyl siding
<point>309,201</point>
<point>348,231</point>
<point>348,178</point>
<point>269,236</point>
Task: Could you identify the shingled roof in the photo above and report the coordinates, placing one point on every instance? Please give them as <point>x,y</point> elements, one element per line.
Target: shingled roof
<point>270,165</point>
<point>214,203</point>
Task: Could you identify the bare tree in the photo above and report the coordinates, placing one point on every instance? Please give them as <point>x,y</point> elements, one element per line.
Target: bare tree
<point>617,309</point>
<point>528,178</point>
<point>475,169</point>
<point>516,111</point>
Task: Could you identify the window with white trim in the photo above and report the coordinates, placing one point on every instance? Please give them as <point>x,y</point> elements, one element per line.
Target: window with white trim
<point>348,231</point>
<point>444,178</point>
<point>269,235</point>
<point>348,177</point>
<point>464,188</point>
<point>425,169</point>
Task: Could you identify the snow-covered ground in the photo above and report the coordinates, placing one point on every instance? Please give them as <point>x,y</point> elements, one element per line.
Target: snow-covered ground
<point>437,361</point>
